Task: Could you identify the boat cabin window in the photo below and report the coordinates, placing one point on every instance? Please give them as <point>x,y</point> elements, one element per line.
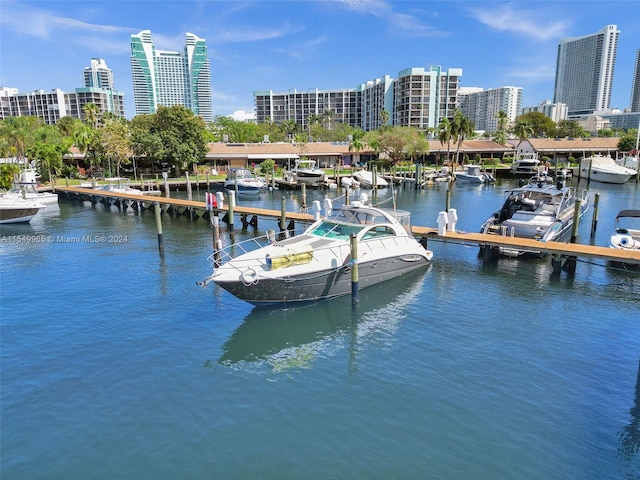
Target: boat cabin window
<point>378,231</point>
<point>331,229</point>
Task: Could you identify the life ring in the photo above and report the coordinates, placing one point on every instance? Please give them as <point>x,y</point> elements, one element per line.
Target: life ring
<point>249,277</point>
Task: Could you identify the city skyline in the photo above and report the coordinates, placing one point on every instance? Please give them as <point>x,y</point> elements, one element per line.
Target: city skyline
<point>307,45</point>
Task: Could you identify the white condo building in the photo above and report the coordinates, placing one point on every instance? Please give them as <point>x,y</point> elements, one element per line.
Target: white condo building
<point>50,106</point>
<point>584,71</point>
<point>167,78</point>
<point>482,106</point>
<point>635,86</point>
<point>555,111</point>
<point>418,98</point>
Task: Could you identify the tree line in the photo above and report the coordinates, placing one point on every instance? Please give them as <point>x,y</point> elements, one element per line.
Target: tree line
<point>174,136</point>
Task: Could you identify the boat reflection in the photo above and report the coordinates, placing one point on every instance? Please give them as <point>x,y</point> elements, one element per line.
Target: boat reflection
<point>292,338</point>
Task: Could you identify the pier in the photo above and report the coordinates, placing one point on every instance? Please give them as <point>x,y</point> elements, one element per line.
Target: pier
<point>558,249</point>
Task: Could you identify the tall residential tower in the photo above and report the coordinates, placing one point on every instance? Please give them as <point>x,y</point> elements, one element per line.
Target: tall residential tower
<point>635,86</point>
<point>167,78</point>
<point>584,71</point>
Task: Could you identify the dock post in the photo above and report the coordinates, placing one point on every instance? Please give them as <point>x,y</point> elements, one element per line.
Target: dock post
<point>347,200</point>
<point>594,221</point>
<point>189,190</point>
<point>417,176</point>
<point>217,243</point>
<point>156,207</point>
<point>576,222</point>
<point>304,196</point>
<point>232,202</point>
<point>283,214</point>
<point>355,280</point>
<point>165,176</point>
<point>448,199</point>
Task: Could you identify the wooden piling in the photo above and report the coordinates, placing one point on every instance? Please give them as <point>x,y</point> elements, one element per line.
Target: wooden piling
<point>594,221</point>
<point>156,207</point>
<point>355,280</point>
<point>231,203</point>
<point>283,214</point>
<point>448,198</point>
<point>576,222</point>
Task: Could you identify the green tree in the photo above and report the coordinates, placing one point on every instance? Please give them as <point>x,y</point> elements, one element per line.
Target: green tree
<point>397,143</point>
<point>116,135</point>
<point>503,124</point>
<point>540,125</point>
<point>182,135</point>
<point>627,142</point>
<point>47,150</point>
<point>462,127</point>
<point>384,118</point>
<point>444,134</point>
<point>570,128</point>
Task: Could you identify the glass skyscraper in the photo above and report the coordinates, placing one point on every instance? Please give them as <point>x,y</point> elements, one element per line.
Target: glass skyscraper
<point>167,78</point>
<point>584,71</point>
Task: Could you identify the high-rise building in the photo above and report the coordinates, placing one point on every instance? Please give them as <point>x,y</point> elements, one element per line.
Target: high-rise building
<point>584,71</point>
<point>635,87</point>
<point>417,98</point>
<point>98,75</point>
<point>167,78</point>
<point>51,106</point>
<point>482,107</point>
<point>555,111</point>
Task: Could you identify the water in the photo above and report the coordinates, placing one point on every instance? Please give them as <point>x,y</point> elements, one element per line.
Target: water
<point>116,365</point>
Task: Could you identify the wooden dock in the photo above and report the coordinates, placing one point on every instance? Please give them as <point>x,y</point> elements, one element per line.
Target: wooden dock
<point>554,248</point>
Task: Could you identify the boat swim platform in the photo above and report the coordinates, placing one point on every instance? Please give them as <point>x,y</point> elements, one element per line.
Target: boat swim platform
<point>465,238</point>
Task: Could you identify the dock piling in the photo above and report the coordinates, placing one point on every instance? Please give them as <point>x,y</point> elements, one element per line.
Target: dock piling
<point>594,221</point>
<point>355,281</point>
<point>156,207</point>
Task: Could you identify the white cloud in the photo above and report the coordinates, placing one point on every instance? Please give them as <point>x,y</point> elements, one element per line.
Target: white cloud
<point>521,22</point>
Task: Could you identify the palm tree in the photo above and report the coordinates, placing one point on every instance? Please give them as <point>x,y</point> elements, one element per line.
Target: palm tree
<point>444,133</point>
<point>91,113</point>
<point>290,128</point>
<point>501,132</point>
<point>384,118</point>
<point>327,116</point>
<point>464,129</point>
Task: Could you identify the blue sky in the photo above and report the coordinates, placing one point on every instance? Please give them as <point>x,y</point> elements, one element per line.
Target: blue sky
<point>305,44</point>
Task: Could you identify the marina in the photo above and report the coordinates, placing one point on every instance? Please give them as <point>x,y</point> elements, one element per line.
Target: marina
<point>469,369</point>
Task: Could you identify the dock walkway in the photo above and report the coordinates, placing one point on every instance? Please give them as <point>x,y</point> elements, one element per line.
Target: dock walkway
<point>553,248</point>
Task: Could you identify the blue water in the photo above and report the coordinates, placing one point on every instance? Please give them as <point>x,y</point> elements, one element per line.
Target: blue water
<point>115,364</point>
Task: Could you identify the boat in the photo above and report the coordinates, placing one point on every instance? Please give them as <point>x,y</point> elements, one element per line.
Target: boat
<point>365,179</point>
<point>626,236</point>
<point>629,162</point>
<point>26,186</point>
<point>473,174</point>
<point>439,176</point>
<point>305,171</point>
<point>242,181</point>
<point>317,264</point>
<point>15,209</point>
<point>540,211</point>
<point>601,168</point>
<point>525,164</point>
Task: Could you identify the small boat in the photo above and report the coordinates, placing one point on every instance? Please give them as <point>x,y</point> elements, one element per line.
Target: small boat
<point>305,171</point>
<point>365,179</point>
<point>26,186</point>
<point>242,181</point>
<point>601,168</point>
<point>15,209</point>
<point>473,174</point>
<point>440,176</point>
<point>626,236</point>
<point>349,182</point>
<point>540,211</point>
<point>317,264</point>
<point>525,164</point>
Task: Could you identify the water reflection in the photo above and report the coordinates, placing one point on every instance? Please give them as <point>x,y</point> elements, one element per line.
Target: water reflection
<point>629,447</point>
<point>292,338</point>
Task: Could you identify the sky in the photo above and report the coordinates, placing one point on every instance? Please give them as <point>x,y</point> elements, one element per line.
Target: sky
<point>309,44</point>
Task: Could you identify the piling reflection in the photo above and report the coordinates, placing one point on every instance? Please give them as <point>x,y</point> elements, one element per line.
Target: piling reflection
<point>292,338</point>
<point>629,448</point>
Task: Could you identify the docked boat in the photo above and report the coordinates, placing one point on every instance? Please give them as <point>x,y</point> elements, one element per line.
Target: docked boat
<point>305,171</point>
<point>474,174</point>
<point>14,209</point>
<point>26,186</point>
<point>601,168</point>
<point>538,211</point>
<point>317,264</point>
<point>365,179</point>
<point>525,164</point>
<point>440,176</point>
<point>626,236</point>
<point>242,181</point>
